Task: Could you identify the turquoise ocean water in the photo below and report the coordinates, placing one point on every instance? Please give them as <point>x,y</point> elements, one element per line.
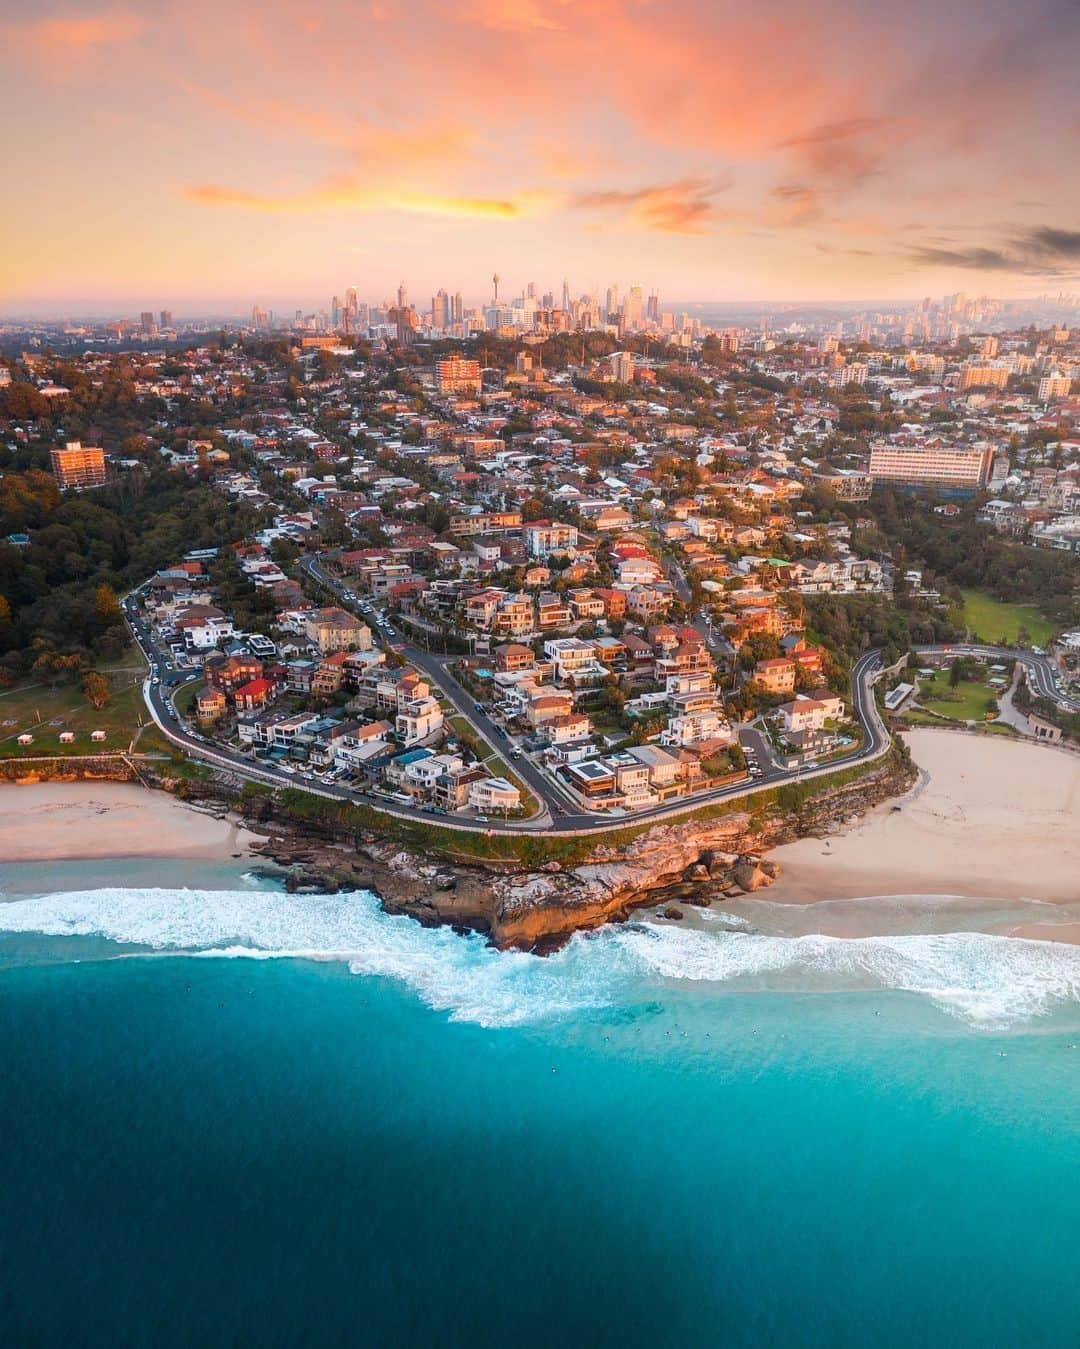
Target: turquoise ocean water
<point>232,1117</point>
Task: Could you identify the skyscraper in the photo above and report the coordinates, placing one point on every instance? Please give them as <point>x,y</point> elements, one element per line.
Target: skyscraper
<point>566,296</point>
<point>440,310</point>
<point>458,308</point>
<point>166,318</point>
<point>402,296</point>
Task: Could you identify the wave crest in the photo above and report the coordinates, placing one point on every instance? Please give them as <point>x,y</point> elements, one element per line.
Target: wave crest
<point>988,981</point>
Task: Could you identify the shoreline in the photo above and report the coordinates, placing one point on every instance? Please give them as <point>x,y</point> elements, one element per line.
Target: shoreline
<point>988,818</point>
<point>90,821</point>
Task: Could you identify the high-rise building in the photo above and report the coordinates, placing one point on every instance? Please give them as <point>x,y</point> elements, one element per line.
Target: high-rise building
<point>166,318</point>
<point>458,375</point>
<point>611,303</point>
<point>1054,385</point>
<point>335,312</point>
<point>652,312</point>
<point>440,310</point>
<point>78,466</point>
<point>989,347</point>
<point>457,309</point>
<point>633,308</point>
<point>566,296</point>
<point>402,296</point>
<point>948,465</point>
<point>146,321</point>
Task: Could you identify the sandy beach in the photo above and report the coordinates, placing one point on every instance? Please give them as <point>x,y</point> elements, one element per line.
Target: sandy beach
<point>51,822</point>
<point>991,817</point>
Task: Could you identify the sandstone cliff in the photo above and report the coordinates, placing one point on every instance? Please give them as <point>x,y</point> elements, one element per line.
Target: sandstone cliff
<point>539,908</point>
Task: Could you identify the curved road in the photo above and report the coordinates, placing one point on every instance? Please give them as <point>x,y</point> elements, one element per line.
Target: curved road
<point>158,694</point>
<point>1042,676</point>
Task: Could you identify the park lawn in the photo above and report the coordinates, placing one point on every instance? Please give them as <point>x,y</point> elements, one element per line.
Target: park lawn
<point>45,712</point>
<point>966,702</point>
<point>999,622</point>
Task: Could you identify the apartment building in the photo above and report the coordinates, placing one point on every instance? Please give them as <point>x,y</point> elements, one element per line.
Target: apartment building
<point>957,466</point>
<point>335,630</point>
<point>77,466</point>
<point>544,537</point>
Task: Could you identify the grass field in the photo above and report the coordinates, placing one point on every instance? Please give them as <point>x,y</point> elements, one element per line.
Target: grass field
<point>967,702</point>
<point>999,622</point>
<point>45,712</point>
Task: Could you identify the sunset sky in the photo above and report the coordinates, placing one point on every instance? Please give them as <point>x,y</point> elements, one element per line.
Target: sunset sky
<point>195,155</point>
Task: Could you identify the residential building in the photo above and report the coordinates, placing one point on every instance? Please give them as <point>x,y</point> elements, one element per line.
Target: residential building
<point>335,630</point>
<point>958,466</point>
<point>78,466</point>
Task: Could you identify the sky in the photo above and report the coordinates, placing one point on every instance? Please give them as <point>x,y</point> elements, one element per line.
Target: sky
<point>205,157</point>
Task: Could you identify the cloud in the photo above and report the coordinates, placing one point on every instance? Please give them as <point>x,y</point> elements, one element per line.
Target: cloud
<point>347,194</point>
<point>65,40</point>
<point>1044,251</point>
<point>510,16</point>
<point>683,207</point>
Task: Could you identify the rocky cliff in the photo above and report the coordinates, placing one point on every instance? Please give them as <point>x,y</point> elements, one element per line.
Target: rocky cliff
<point>539,908</point>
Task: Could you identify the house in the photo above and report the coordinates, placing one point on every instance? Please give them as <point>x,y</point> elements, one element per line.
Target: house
<point>67,737</point>
<point>512,656</point>
<point>809,713</point>
<point>203,626</point>
<point>253,696</point>
<point>567,727</point>
<point>227,673</point>
<point>335,630</point>
<point>210,704</point>
<point>777,675</point>
<point>418,720</point>
<point>97,737</point>
<point>330,675</point>
<point>25,739</point>
<point>494,794</point>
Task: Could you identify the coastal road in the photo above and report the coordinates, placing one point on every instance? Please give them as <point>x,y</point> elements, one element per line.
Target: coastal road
<point>559,818</point>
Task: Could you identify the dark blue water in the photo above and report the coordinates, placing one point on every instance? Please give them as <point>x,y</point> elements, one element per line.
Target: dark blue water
<point>442,1147</point>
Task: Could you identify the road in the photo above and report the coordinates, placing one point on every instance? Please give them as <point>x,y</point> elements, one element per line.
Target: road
<point>1042,676</point>
<point>557,815</point>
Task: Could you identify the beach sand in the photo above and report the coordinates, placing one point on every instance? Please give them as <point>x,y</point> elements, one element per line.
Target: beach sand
<point>990,817</point>
<point>55,821</point>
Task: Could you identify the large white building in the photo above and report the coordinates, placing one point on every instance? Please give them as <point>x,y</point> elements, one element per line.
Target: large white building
<point>949,465</point>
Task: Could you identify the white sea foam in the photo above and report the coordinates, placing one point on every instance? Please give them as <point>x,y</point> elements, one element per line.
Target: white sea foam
<point>460,975</point>
<point>988,981</point>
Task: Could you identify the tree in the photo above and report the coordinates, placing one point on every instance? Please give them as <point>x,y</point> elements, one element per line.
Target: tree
<point>955,674</point>
<point>96,689</point>
<point>106,606</point>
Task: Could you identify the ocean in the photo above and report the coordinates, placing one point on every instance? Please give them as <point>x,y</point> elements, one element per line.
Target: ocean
<point>236,1117</point>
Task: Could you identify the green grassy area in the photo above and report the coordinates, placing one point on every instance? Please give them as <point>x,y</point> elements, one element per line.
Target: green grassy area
<point>967,702</point>
<point>184,700</point>
<point>999,622</point>
<point>45,712</point>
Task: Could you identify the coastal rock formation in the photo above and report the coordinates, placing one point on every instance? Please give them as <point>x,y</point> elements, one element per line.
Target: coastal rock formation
<point>538,908</point>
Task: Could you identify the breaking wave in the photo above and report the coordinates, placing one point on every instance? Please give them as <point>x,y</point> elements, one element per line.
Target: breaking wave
<point>988,981</point>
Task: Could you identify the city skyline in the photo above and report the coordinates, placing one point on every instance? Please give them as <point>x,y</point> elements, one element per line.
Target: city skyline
<point>713,154</point>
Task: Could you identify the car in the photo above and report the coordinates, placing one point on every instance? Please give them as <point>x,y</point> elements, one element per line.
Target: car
<point>482,819</point>
<point>478,707</point>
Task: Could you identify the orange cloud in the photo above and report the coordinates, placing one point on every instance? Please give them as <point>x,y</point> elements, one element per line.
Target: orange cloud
<point>346,194</point>
<point>683,207</point>
<point>68,34</point>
